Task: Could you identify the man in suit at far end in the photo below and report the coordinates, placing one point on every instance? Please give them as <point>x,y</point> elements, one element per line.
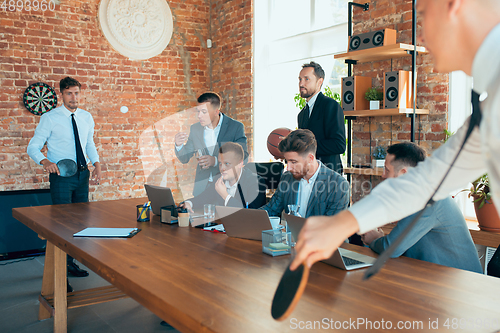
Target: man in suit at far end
<point>308,183</point>
<point>205,137</point>
<point>323,116</point>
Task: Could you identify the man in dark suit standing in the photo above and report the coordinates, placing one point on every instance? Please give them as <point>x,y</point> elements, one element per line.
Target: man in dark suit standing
<point>323,116</point>
<point>205,137</point>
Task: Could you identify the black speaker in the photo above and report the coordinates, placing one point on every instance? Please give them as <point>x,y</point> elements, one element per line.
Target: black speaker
<point>353,92</point>
<point>372,39</point>
<point>398,92</point>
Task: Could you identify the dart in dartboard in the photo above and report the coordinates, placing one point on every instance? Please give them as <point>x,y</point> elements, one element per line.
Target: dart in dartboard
<point>39,98</point>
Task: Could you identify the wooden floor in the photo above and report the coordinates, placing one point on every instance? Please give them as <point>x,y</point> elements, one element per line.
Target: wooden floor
<point>20,283</point>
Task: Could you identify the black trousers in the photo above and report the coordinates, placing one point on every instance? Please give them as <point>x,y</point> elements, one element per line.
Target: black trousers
<point>65,190</point>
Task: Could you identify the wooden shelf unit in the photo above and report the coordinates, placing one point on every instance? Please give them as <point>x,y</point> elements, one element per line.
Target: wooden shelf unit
<point>383,112</point>
<point>365,171</point>
<point>380,53</point>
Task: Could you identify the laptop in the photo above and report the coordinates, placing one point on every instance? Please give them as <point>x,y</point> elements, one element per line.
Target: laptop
<point>159,196</point>
<point>341,258</point>
<point>243,223</point>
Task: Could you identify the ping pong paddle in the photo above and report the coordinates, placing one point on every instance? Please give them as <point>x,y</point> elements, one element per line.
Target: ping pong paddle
<point>67,167</point>
<point>289,291</point>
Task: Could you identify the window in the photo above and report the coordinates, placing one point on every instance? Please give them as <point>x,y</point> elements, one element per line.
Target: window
<point>289,33</point>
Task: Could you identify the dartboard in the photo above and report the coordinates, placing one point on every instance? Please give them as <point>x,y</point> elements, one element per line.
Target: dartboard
<point>39,98</point>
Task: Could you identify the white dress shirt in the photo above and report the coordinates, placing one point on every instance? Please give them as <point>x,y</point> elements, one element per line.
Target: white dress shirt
<point>397,198</point>
<point>56,129</point>
<point>305,189</point>
<point>231,190</point>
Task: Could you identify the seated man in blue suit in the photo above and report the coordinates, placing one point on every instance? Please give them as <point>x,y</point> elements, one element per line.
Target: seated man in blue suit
<point>440,236</point>
<point>308,183</point>
<point>236,185</point>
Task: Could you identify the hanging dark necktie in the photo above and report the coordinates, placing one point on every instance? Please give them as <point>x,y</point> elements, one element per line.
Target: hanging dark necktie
<point>475,119</point>
<point>306,116</point>
<point>80,158</point>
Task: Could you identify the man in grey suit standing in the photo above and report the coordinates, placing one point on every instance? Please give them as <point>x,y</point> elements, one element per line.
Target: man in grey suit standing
<point>205,137</point>
<point>308,183</point>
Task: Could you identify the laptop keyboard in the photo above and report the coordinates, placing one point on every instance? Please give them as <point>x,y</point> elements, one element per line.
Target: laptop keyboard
<point>349,261</point>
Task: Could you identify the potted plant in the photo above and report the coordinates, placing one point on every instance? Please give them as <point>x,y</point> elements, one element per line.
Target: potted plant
<point>486,213</point>
<point>374,95</point>
<point>378,157</point>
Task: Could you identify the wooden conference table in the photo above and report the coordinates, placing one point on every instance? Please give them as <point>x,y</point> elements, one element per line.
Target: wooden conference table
<point>200,281</point>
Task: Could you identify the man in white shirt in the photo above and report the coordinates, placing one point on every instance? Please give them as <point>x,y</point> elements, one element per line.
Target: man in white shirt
<point>461,35</point>
<point>308,183</point>
<point>64,141</point>
<point>205,137</point>
<point>237,186</point>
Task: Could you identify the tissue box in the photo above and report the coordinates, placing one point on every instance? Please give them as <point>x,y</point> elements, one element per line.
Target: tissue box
<point>276,242</point>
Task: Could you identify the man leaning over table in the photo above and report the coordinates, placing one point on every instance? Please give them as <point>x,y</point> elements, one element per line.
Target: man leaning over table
<point>68,132</point>
<point>441,235</point>
<point>308,183</point>
<point>461,35</point>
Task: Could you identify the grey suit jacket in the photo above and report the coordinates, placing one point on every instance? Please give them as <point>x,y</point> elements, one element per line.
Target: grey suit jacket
<point>230,131</point>
<point>330,194</point>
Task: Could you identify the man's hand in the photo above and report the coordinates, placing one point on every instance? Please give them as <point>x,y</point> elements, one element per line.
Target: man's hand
<point>49,166</point>
<point>372,235</point>
<point>206,161</point>
<point>96,174</point>
<point>187,205</point>
<point>321,235</point>
<point>180,138</point>
<point>220,187</point>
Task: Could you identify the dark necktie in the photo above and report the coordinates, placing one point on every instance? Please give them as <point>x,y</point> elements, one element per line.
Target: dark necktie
<point>475,118</point>
<point>306,116</point>
<point>80,159</point>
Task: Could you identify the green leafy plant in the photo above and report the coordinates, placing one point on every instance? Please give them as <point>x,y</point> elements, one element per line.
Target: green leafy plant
<point>480,190</point>
<point>374,94</point>
<point>447,134</point>
<point>379,153</point>
<point>301,102</point>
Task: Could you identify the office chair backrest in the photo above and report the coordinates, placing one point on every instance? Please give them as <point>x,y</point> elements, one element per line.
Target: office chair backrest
<point>494,264</point>
<point>269,171</point>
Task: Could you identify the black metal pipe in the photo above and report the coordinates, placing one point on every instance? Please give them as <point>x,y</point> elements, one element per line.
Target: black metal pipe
<point>414,68</point>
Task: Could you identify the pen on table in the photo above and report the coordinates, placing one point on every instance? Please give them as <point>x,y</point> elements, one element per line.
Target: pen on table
<point>144,209</point>
<point>247,204</point>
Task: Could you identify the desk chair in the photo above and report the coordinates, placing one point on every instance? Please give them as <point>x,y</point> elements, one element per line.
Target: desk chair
<point>269,171</point>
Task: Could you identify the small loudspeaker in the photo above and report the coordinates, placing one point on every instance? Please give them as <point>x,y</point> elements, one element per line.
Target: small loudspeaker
<point>398,91</point>
<point>372,39</point>
<point>353,92</point>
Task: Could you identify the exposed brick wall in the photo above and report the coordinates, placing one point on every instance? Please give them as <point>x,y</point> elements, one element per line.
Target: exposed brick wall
<point>432,92</point>
<point>231,58</point>
<point>48,46</point>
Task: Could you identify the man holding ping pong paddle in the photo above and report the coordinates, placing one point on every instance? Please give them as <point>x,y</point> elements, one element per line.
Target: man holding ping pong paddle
<point>461,35</point>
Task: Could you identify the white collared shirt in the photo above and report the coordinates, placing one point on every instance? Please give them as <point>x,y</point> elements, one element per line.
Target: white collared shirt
<point>56,129</point>
<point>311,103</point>
<point>397,198</point>
<point>305,190</point>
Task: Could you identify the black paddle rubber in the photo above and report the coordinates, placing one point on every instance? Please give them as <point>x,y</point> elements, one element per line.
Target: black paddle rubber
<point>289,291</point>
<point>67,167</point>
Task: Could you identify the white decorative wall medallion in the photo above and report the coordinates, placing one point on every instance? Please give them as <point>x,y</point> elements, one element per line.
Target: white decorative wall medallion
<point>138,29</point>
